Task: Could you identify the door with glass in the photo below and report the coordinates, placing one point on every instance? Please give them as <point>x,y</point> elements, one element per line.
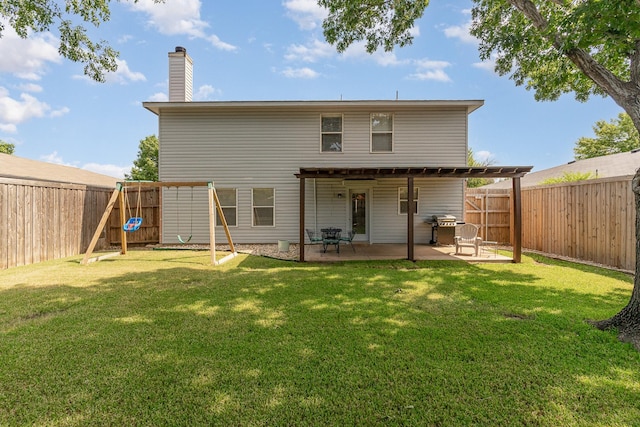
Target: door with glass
<point>359,214</point>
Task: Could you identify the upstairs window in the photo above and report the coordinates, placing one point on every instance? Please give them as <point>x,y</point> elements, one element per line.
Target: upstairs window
<point>403,201</point>
<point>263,207</point>
<point>228,198</point>
<point>382,133</point>
<point>331,130</point>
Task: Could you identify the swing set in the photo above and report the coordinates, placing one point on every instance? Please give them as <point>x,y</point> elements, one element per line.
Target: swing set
<point>134,222</point>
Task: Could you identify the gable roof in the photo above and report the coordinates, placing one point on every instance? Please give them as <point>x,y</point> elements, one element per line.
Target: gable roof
<point>621,164</point>
<point>20,168</point>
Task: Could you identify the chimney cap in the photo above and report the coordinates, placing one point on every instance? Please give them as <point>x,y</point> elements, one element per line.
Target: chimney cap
<point>181,49</point>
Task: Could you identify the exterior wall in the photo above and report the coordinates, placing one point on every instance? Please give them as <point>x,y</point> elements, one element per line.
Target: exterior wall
<point>264,147</point>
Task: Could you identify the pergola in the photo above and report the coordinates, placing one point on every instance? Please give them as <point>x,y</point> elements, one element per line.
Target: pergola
<point>410,173</point>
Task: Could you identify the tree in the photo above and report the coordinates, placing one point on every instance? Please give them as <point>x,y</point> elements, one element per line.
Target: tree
<point>550,46</point>
<point>7,147</point>
<point>37,16</point>
<point>617,136</point>
<point>471,161</point>
<point>568,177</point>
<point>145,167</point>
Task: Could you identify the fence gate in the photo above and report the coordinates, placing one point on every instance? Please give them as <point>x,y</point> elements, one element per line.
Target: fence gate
<point>491,211</point>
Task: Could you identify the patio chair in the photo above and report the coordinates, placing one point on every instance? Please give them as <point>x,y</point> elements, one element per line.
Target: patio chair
<point>467,236</point>
<point>314,237</point>
<point>348,239</point>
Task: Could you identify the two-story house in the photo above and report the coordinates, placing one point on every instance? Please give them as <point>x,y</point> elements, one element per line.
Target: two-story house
<point>280,167</point>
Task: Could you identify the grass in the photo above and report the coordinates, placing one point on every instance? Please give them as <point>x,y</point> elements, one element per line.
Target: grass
<point>163,338</point>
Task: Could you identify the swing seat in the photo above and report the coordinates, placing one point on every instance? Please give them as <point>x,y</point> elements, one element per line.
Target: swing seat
<point>181,240</point>
<point>132,224</point>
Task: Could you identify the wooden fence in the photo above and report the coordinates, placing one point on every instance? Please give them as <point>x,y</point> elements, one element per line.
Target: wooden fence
<point>42,220</point>
<point>591,220</point>
<point>149,231</point>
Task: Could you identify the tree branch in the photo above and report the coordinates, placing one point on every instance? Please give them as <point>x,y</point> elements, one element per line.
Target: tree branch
<point>615,87</point>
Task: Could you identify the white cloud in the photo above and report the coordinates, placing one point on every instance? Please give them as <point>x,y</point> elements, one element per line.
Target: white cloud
<point>488,65</point>
<point>431,70</point>
<point>159,97</point>
<point>309,53</point>
<point>483,155</point>
<point>461,32</point>
<point>123,74</point>
<point>205,93</point>
<point>59,112</point>
<point>306,13</point>
<point>30,87</point>
<point>106,169</point>
<point>16,111</point>
<point>358,51</point>
<point>179,17</point>
<point>111,170</point>
<point>27,58</point>
<point>300,73</point>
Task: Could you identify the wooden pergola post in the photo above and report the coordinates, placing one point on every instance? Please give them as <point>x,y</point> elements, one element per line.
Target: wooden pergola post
<point>410,208</point>
<point>517,220</point>
<point>301,231</point>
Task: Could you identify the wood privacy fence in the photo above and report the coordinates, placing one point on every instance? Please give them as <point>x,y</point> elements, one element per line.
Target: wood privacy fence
<point>149,231</point>
<point>42,220</point>
<point>591,220</point>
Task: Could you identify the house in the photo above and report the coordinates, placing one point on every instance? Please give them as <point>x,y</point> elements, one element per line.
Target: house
<point>613,165</point>
<point>379,168</point>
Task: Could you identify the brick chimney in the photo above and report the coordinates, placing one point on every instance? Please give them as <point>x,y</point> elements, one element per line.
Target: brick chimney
<point>180,76</point>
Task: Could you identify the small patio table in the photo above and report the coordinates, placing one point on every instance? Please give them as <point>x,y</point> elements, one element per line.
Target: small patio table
<point>331,236</point>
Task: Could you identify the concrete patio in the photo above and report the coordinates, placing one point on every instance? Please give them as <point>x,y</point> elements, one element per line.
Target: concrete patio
<point>365,251</point>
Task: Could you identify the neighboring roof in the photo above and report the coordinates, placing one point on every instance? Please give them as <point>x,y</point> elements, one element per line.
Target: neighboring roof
<point>21,168</point>
<point>470,105</point>
<point>621,164</point>
<point>417,172</point>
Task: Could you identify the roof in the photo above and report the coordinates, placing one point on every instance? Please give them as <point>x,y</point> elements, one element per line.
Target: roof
<point>621,164</point>
<point>469,105</point>
<point>416,172</point>
<point>20,168</point>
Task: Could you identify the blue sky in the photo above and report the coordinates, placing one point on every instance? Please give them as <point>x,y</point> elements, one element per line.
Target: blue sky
<point>265,50</point>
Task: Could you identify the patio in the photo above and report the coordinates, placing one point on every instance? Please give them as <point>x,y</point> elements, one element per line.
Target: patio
<point>365,251</point>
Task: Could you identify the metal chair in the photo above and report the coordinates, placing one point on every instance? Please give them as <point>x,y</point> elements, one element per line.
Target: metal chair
<point>314,237</point>
<point>467,235</point>
<point>348,239</point>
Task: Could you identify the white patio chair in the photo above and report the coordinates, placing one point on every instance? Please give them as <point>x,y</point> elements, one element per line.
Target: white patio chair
<point>467,236</point>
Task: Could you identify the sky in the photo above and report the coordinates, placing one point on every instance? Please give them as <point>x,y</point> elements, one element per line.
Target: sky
<point>257,50</point>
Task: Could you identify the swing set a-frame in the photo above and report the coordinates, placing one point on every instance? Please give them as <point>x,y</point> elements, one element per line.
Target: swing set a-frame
<point>134,222</point>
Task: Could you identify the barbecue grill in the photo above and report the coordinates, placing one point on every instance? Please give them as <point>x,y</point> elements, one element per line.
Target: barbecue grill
<point>446,222</point>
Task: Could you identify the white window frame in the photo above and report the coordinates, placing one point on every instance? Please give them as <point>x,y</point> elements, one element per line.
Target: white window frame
<point>254,206</point>
<point>373,132</point>
<point>341,133</point>
<point>228,207</point>
<point>415,199</point>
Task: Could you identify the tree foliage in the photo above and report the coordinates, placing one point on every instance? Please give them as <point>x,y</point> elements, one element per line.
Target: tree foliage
<point>472,161</point>
<point>7,147</point>
<point>145,167</point>
<point>617,136</point>
<point>68,22</point>
<point>549,46</point>
<point>568,177</point>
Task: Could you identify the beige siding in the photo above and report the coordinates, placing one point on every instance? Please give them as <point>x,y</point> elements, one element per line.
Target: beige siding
<point>262,148</point>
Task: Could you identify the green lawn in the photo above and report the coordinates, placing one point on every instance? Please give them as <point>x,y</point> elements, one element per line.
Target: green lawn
<point>161,338</point>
